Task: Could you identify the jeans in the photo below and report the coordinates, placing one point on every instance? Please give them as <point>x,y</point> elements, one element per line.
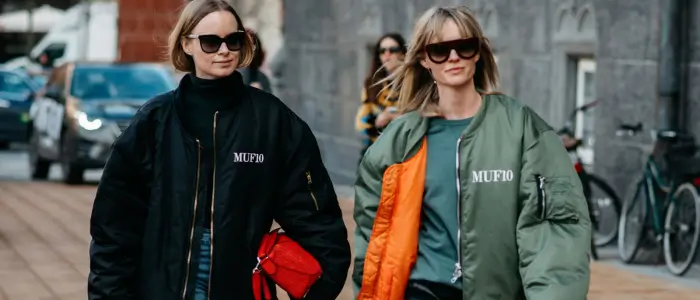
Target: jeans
<point>202,285</point>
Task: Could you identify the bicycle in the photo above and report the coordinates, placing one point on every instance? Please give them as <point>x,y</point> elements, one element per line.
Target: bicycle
<point>671,171</point>
<point>603,203</point>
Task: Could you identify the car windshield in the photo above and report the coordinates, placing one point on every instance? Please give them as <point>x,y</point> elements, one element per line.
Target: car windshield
<point>39,80</point>
<point>120,82</point>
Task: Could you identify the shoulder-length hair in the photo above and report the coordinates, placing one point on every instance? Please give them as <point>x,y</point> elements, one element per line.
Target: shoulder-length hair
<point>190,16</point>
<point>413,82</point>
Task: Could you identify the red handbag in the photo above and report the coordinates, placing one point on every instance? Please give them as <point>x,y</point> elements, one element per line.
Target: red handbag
<point>287,264</point>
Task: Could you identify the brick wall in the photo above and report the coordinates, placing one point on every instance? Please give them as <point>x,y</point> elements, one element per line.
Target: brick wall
<point>143,28</point>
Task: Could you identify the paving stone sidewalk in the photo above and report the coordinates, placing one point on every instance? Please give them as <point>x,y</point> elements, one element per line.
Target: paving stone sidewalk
<point>44,239</point>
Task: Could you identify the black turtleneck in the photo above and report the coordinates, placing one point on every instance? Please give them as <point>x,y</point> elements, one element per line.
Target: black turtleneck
<point>200,100</point>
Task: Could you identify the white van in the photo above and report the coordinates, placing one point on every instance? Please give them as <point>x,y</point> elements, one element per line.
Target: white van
<point>82,34</point>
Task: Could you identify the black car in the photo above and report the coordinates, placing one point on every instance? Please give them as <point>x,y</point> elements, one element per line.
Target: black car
<point>84,108</point>
<point>16,90</point>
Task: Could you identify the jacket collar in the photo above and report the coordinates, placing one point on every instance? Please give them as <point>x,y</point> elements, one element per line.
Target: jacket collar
<point>419,126</point>
<point>239,90</point>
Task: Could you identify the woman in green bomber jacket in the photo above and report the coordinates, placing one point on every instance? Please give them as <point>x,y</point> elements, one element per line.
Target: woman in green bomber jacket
<point>469,194</point>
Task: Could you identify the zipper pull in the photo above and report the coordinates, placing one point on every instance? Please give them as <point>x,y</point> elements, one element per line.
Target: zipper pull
<point>311,191</point>
<point>543,203</point>
<point>457,273</point>
<point>308,178</point>
<point>542,179</point>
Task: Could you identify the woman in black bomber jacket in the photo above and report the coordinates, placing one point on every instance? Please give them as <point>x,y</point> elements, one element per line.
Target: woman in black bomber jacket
<point>196,180</point>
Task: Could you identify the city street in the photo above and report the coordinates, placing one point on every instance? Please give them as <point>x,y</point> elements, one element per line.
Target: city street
<point>44,239</point>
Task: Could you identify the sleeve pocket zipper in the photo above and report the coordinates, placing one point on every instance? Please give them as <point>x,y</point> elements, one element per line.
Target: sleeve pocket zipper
<point>311,191</point>
<point>557,211</point>
<point>541,196</point>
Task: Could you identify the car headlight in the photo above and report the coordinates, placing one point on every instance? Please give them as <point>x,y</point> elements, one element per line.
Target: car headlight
<point>88,124</point>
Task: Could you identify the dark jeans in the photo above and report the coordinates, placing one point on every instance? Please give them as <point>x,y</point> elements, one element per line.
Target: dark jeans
<point>202,285</point>
<point>424,290</point>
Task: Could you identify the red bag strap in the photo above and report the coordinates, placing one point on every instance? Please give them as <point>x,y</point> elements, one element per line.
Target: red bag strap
<point>269,241</point>
<point>260,285</point>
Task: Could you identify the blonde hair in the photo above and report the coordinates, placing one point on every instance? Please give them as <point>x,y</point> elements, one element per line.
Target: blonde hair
<point>190,16</point>
<point>413,82</point>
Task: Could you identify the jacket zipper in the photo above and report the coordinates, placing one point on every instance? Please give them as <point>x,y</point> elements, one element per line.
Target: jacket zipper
<point>457,273</point>
<point>541,195</point>
<point>311,191</point>
<point>211,220</point>
<point>194,216</point>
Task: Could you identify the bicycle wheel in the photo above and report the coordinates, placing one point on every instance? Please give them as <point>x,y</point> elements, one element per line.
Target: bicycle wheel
<point>632,220</point>
<point>682,225</point>
<point>606,210</point>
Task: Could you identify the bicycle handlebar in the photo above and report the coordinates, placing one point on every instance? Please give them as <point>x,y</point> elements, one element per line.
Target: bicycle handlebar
<point>587,106</point>
<point>569,122</point>
<point>630,129</point>
<point>636,127</point>
<point>582,108</point>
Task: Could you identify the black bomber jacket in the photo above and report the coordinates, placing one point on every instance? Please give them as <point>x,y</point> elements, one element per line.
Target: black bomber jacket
<point>267,167</point>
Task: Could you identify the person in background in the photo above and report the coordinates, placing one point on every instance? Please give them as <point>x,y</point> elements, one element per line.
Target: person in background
<point>378,106</point>
<point>194,183</point>
<point>469,194</point>
<point>252,75</point>
<point>45,62</point>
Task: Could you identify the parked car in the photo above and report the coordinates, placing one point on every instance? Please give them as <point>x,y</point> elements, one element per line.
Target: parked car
<point>39,78</point>
<point>83,109</point>
<point>16,90</point>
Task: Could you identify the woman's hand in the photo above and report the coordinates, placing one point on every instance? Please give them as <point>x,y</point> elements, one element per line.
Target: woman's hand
<point>309,212</point>
<point>385,117</point>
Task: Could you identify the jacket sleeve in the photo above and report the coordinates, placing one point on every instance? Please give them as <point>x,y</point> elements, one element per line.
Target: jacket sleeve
<point>554,228</point>
<point>119,214</point>
<point>368,188</point>
<point>310,214</point>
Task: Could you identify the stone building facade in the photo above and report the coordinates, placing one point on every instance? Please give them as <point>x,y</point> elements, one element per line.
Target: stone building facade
<point>552,55</point>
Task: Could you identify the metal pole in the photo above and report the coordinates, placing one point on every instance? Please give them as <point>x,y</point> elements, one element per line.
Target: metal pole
<point>669,76</point>
<point>29,5</point>
<point>684,61</point>
<point>86,30</point>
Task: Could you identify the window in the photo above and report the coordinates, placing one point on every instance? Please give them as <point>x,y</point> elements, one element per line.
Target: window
<point>119,82</point>
<point>585,122</point>
<point>14,84</point>
<point>53,52</point>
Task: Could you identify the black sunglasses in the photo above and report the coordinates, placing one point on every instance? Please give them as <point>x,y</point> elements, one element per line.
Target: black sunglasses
<point>392,50</point>
<point>210,43</point>
<point>465,48</point>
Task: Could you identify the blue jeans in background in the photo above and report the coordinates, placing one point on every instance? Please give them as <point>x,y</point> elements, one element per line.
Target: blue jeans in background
<point>202,284</point>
